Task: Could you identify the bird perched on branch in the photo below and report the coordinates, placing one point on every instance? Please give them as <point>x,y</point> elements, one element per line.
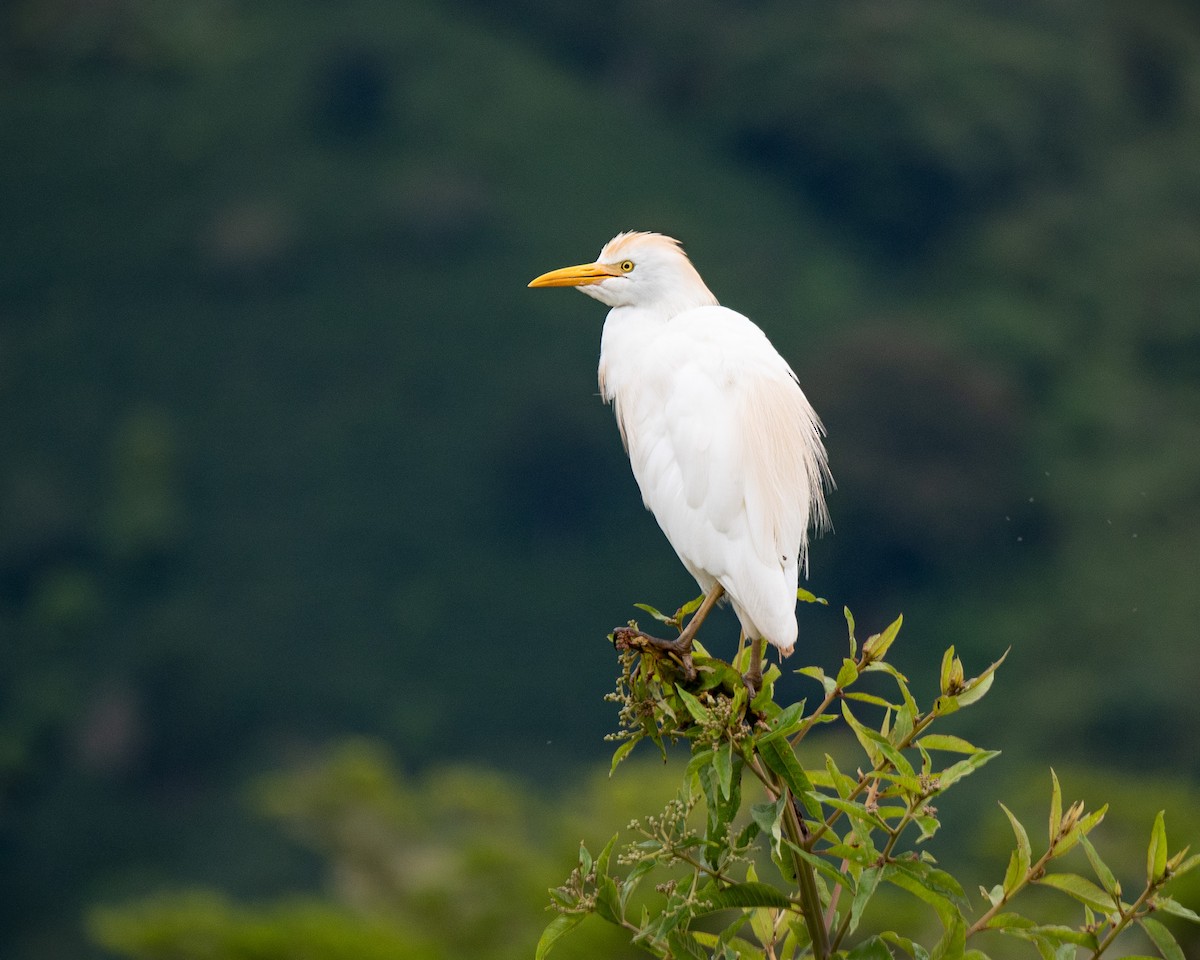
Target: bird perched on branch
<point>723,443</point>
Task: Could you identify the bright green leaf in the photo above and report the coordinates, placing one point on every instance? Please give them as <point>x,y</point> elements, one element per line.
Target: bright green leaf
<point>1156,854</point>
<point>871,698</point>
<point>1081,889</point>
<point>877,647</point>
<point>807,597</point>
<point>847,674</point>
<point>818,674</point>
<point>689,608</point>
<point>1101,869</point>
<point>941,741</point>
<point>947,669</point>
<point>1022,856</point>
<point>621,753</point>
<point>660,617</point>
<point>868,744</point>
<point>699,712</point>
<point>1055,806</point>
<point>723,764</point>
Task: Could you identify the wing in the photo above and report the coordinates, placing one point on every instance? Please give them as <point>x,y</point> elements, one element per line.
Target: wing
<point>727,453</point>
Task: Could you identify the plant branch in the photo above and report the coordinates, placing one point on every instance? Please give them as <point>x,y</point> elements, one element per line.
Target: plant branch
<point>1124,919</point>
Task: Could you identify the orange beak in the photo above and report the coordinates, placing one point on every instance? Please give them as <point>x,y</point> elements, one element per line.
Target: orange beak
<point>578,276</point>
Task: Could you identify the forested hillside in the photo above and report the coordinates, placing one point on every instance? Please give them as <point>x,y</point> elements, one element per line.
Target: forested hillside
<point>291,453</point>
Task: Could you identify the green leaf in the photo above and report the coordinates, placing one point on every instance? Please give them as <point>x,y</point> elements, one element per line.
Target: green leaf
<point>555,930</point>
<point>608,900</point>
<point>819,675</point>
<point>688,608</point>
<point>1081,889</point>
<point>869,745</point>
<point>941,741</point>
<point>1055,807</point>
<point>1186,866</point>
<point>953,942</point>
<point>621,753</point>
<point>789,720</point>
<point>872,949</point>
<point>956,771</point>
<point>847,674</point>
<point>843,784</point>
<point>914,950</point>
<point>947,668</point>
<point>877,646</point>
<point>1022,857</point>
<point>1177,909</point>
<point>605,854</point>
<point>749,894</point>
<point>684,946</point>
<point>871,698</point>
<point>1162,939</point>
<point>807,597</point>
<point>777,754</point>
<point>701,758</point>
<point>975,688</point>
<point>723,764</point>
<point>699,712</point>
<point>868,882</point>
<point>660,617</point>
<point>935,891</point>
<point>1156,855</point>
<point>824,867</point>
<point>1102,871</point>
<point>631,881</point>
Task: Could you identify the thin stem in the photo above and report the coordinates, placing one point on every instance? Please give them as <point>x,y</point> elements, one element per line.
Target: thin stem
<point>1125,918</point>
<point>1034,871</point>
<point>868,778</point>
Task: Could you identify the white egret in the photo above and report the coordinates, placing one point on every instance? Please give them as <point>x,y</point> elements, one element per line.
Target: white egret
<point>723,443</point>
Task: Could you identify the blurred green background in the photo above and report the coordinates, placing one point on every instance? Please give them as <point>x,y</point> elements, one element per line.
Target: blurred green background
<point>291,454</point>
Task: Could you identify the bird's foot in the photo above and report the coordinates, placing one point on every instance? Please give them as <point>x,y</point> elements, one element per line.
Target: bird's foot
<point>630,638</point>
<point>753,681</point>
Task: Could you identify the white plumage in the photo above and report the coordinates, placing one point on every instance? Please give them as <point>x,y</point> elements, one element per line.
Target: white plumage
<point>723,443</point>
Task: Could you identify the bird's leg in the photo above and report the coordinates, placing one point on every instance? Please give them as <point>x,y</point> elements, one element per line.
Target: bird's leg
<point>753,676</point>
<point>689,632</point>
<point>681,646</point>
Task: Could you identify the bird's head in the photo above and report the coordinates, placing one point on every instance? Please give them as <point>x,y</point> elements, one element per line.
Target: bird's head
<point>645,270</point>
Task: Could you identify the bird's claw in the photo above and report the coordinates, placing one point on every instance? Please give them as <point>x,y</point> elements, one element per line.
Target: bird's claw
<point>630,638</point>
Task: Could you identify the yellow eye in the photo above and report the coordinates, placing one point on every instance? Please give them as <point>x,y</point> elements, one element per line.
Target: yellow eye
<point>626,266</point>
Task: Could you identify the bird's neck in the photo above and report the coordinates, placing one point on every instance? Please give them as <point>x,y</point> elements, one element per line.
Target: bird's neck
<point>628,332</point>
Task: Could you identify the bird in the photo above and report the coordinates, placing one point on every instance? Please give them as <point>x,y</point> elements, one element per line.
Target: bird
<point>724,445</point>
